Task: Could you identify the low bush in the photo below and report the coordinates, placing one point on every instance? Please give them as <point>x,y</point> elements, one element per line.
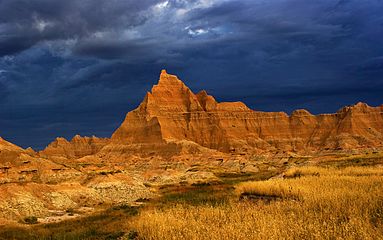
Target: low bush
<point>30,220</point>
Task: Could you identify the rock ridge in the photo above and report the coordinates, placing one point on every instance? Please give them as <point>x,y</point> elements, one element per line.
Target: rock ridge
<point>172,112</point>
<point>77,147</point>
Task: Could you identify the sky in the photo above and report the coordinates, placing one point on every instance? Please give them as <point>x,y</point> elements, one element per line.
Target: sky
<point>78,66</point>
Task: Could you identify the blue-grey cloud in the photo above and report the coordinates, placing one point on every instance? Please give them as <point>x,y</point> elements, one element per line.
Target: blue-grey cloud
<point>74,66</point>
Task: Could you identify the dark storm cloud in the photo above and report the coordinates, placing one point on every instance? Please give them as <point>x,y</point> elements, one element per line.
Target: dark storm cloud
<point>111,75</point>
<point>23,23</point>
<point>3,92</point>
<point>77,66</point>
<point>112,49</point>
<point>372,65</point>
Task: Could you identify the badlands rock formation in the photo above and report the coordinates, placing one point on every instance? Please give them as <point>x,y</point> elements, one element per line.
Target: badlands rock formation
<point>76,148</point>
<point>173,120</point>
<point>7,146</point>
<point>171,112</point>
<point>34,185</point>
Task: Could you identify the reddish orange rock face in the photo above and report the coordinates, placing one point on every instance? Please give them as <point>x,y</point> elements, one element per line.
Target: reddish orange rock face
<point>172,112</point>
<point>76,148</point>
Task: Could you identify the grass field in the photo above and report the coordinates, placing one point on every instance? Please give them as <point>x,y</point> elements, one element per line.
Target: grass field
<point>329,201</point>
<point>108,224</point>
<point>310,203</point>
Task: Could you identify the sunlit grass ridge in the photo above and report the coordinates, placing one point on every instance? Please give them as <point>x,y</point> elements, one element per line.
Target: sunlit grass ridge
<point>330,204</point>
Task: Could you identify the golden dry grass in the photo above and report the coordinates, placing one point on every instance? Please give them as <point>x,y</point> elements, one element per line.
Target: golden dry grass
<point>322,171</point>
<point>334,204</point>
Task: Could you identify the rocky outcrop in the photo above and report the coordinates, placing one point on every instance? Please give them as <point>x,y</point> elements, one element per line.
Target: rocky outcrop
<point>76,148</point>
<point>171,112</point>
<point>5,145</point>
<point>10,152</point>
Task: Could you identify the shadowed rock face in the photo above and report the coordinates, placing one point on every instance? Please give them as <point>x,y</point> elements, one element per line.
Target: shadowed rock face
<point>172,112</point>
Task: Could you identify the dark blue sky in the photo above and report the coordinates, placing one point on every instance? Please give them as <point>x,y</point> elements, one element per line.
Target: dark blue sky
<point>78,66</point>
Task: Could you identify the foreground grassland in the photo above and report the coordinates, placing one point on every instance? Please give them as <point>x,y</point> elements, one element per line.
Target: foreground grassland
<point>338,198</point>
<point>308,203</point>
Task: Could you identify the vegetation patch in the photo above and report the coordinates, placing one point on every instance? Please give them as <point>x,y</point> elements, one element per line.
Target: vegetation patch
<point>204,194</point>
<point>30,220</point>
<point>360,160</point>
<point>337,203</point>
<point>237,177</point>
<point>311,202</point>
<point>127,209</point>
<point>268,190</point>
<point>257,197</point>
<point>109,224</point>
